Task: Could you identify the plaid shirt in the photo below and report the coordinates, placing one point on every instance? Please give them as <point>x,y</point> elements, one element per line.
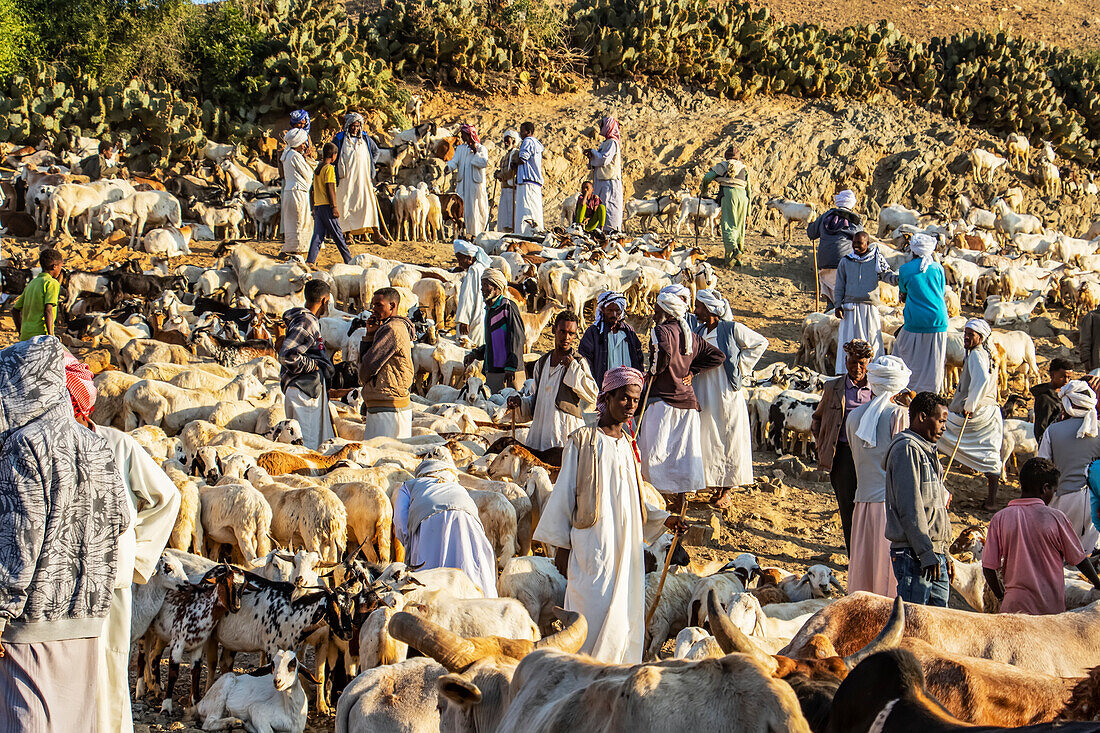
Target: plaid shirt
<point>303,332</point>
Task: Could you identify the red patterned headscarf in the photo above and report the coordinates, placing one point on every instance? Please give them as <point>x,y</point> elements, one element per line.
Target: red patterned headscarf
<point>615,378</point>
<point>609,128</point>
<point>78,380</point>
<point>472,132</point>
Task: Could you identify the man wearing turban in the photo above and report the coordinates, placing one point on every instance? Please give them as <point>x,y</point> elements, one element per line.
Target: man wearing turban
<point>670,431</point>
<point>975,407</point>
<point>598,515</point>
<point>610,342</point>
<point>469,163</point>
<point>355,173</point>
<point>835,228</point>
<point>505,338</point>
<point>869,429</point>
<point>297,180</point>
<point>469,305</point>
<point>922,340</point>
<point>1073,443</point>
<point>726,438</point>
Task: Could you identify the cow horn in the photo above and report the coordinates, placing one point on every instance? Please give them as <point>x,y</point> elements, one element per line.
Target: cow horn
<point>730,638</point>
<point>443,645</point>
<point>571,638</point>
<point>888,638</point>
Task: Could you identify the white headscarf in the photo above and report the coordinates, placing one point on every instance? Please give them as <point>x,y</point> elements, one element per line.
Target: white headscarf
<point>442,470</point>
<point>886,376</point>
<point>293,137</point>
<point>1078,400</point>
<point>462,247</point>
<point>512,134</point>
<point>606,297</point>
<point>922,246</point>
<point>846,199</point>
<point>673,300</point>
<point>980,327</point>
<point>715,303</point>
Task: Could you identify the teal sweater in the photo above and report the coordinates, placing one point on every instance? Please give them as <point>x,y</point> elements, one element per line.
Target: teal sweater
<point>925,309</point>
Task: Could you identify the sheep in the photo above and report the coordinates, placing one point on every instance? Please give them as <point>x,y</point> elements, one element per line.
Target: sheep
<point>313,518</point>
<point>671,613</point>
<point>369,515</point>
<point>272,702</point>
<point>895,215</point>
<point>498,518</point>
<point>1049,178</point>
<point>110,387</point>
<point>792,211</point>
<point>536,583</point>
<point>139,351</point>
<point>1019,150</point>
<point>229,215</point>
<point>985,162</point>
<point>725,585</point>
<point>187,532</point>
<point>432,298</point>
<point>376,646</point>
<point>814,583</point>
<point>236,514</point>
<point>72,200</point>
<point>149,402</point>
<point>168,241</point>
<point>144,207</point>
<point>259,274</point>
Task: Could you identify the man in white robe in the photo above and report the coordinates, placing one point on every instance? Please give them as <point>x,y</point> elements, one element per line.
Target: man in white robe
<point>597,519</point>
<point>297,215</point>
<point>506,174</point>
<point>469,163</point>
<point>469,304</point>
<point>564,389</point>
<point>974,413</point>
<point>528,217</point>
<point>726,439</point>
<point>437,521</point>
<point>355,179</point>
<point>154,504</point>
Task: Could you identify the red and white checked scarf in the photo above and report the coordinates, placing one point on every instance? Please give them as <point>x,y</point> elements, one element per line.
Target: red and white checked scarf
<point>78,380</point>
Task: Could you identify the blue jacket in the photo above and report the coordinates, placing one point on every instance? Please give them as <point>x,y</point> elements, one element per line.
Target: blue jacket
<point>727,342</point>
<point>925,309</point>
<point>835,228</point>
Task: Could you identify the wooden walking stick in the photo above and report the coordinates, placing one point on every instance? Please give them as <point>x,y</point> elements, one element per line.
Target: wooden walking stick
<point>817,280</point>
<point>966,419</point>
<point>664,570</point>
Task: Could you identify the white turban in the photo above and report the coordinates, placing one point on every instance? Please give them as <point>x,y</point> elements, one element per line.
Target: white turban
<point>607,297</point>
<point>673,300</point>
<point>1078,400</point>
<point>922,246</point>
<point>495,278</point>
<point>295,136</point>
<point>980,327</point>
<point>715,303</point>
<point>846,199</point>
<point>512,134</point>
<point>886,376</point>
<point>462,247</point>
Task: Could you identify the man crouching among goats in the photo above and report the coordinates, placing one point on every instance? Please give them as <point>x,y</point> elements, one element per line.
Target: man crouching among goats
<point>597,518</point>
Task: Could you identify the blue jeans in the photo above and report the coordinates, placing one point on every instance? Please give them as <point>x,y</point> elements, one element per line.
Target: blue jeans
<point>324,223</point>
<point>912,588</point>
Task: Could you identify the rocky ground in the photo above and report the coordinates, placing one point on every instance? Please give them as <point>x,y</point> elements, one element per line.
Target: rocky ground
<point>801,150</point>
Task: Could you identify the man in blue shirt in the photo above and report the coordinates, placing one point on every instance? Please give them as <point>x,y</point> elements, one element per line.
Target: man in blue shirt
<point>922,340</point>
<point>528,217</point>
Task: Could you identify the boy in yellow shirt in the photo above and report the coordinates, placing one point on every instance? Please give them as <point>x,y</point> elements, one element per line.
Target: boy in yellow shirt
<point>35,311</point>
<point>326,217</point>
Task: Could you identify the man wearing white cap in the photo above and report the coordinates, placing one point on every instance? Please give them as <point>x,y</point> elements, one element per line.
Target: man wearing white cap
<point>669,434</point>
<point>724,417</point>
<point>469,305</point>
<point>1072,444</point>
<point>922,340</point>
<point>355,179</point>
<point>870,428</point>
<point>297,180</point>
<point>437,521</point>
<point>835,228</point>
<point>974,421</point>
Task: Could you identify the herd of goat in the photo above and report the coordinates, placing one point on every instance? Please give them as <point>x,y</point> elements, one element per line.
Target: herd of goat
<point>292,553</point>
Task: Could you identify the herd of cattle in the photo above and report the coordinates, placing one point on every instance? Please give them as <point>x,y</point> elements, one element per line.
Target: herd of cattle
<point>278,548</point>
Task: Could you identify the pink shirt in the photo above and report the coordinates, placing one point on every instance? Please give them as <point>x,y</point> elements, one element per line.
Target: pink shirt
<point>1030,542</point>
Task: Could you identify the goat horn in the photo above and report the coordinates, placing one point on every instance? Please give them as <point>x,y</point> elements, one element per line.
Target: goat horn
<point>443,645</point>
<point>888,638</point>
<point>730,638</point>
<point>571,638</point>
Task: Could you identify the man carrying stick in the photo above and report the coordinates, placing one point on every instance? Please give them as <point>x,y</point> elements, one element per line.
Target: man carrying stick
<point>974,425</point>
<point>597,518</point>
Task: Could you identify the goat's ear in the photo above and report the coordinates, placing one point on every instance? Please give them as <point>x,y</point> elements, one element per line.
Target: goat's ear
<point>261,671</point>
<point>459,690</point>
<point>303,672</point>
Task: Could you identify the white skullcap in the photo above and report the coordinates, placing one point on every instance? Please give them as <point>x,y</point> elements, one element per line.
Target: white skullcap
<point>1078,400</point>
<point>886,376</point>
<point>443,470</point>
<point>846,199</point>
<point>463,247</point>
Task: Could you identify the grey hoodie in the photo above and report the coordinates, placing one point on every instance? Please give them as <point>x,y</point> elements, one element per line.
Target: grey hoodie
<point>916,501</point>
<point>63,505</point>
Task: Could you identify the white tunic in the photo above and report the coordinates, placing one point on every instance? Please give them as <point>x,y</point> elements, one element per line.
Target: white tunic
<point>297,217</point>
<point>154,504</point>
<point>355,186</point>
<point>391,424</point>
<point>980,447</point>
<point>470,186</point>
<point>861,321</point>
<point>549,425</point>
<point>528,208</point>
<point>312,414</point>
<point>469,305</point>
<point>724,418</point>
<point>669,439</point>
<point>606,569</point>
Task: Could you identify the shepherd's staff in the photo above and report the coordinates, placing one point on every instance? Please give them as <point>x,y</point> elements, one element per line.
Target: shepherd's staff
<point>817,280</point>
<point>966,419</point>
